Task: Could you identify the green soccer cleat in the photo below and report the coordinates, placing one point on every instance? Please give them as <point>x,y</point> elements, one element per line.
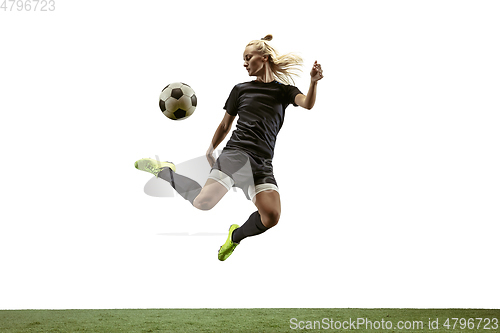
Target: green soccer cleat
<point>153,166</point>
<point>228,247</point>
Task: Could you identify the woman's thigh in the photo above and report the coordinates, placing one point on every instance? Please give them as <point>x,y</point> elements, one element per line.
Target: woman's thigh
<point>210,195</point>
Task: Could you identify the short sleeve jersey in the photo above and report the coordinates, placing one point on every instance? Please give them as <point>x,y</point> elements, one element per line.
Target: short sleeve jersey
<point>261,110</point>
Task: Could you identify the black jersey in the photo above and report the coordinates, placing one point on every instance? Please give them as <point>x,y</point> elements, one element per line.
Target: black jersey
<point>261,110</point>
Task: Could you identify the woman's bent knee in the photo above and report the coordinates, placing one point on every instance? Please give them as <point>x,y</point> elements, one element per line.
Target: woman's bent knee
<point>203,203</point>
<point>270,218</point>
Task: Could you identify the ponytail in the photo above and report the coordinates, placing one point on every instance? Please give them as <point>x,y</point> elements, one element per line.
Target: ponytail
<point>283,66</point>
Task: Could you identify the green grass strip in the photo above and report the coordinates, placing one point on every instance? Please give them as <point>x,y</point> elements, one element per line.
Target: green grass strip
<point>251,320</point>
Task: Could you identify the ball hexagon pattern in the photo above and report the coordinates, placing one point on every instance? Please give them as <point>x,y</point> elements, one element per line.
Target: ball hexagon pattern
<point>178,101</point>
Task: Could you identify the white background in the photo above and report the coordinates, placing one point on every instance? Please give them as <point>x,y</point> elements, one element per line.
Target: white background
<point>389,186</point>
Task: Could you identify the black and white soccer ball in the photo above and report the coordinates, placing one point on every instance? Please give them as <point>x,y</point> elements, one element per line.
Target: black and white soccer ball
<point>178,101</point>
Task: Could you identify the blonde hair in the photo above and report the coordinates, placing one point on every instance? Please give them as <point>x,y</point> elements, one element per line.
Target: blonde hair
<point>282,66</point>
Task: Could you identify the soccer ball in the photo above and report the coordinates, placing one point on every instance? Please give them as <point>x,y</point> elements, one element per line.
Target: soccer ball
<point>178,101</point>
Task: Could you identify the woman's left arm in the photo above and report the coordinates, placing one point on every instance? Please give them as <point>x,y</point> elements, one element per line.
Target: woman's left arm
<point>307,101</point>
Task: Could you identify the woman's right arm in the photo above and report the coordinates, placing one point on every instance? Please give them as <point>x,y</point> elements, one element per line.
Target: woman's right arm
<point>220,134</point>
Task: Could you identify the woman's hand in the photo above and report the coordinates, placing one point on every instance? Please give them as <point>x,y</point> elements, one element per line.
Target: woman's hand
<point>316,72</point>
<point>210,157</point>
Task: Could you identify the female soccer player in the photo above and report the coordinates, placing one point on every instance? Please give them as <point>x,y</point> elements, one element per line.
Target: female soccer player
<point>246,161</point>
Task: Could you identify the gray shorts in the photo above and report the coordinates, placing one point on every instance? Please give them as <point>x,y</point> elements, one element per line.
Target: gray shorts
<point>236,168</point>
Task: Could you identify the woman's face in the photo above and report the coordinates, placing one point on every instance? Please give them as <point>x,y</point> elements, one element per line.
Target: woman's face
<point>254,62</point>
